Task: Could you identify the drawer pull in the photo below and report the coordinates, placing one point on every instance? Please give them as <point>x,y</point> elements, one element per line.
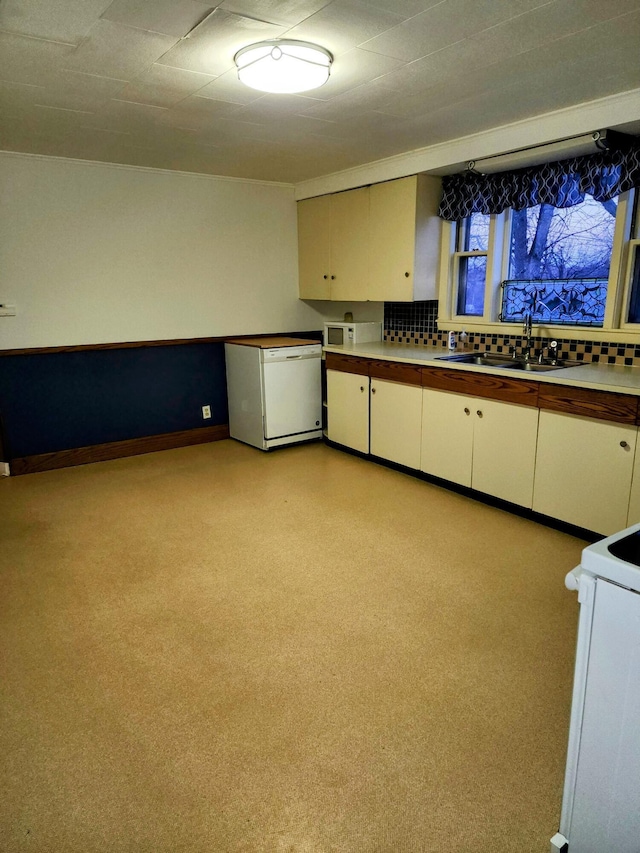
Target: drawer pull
<point>406,275</point>
<point>479,413</point>
<point>362,387</point>
<point>624,445</point>
<point>373,390</point>
<point>467,411</point>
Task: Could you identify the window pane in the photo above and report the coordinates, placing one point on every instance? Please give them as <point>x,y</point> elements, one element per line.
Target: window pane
<point>563,244</point>
<point>634,305</point>
<point>472,272</point>
<point>474,233</point>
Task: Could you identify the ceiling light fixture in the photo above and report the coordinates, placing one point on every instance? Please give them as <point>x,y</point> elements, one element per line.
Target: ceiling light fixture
<point>283,66</point>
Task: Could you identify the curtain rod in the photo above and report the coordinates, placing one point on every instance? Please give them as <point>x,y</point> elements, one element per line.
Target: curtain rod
<point>588,143</point>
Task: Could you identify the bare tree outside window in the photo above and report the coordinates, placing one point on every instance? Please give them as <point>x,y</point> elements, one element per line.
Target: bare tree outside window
<point>559,244</point>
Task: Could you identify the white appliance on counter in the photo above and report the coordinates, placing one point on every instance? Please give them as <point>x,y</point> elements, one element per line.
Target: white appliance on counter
<point>601,799</point>
<point>274,390</point>
<point>339,334</point>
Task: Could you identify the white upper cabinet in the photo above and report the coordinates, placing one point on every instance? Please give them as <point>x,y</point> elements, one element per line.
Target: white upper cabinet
<point>314,248</point>
<point>378,243</point>
<point>404,239</point>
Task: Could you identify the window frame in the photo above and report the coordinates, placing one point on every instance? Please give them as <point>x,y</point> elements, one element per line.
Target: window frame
<point>614,328</point>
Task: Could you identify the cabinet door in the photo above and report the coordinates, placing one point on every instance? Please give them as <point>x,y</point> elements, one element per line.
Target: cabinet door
<point>395,422</point>
<point>634,501</point>
<point>447,436</point>
<point>314,248</point>
<point>583,471</point>
<point>504,450</point>
<point>350,245</point>
<point>348,409</point>
<point>392,230</point>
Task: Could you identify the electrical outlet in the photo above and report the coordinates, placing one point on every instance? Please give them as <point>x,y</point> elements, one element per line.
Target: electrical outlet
<point>206,412</point>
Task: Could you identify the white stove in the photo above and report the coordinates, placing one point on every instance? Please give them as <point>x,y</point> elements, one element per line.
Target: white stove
<point>601,799</point>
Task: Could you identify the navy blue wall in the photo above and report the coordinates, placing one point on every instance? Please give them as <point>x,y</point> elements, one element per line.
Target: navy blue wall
<point>60,401</point>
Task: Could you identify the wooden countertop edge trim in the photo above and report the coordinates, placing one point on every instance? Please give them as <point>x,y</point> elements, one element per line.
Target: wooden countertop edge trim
<point>594,403</point>
<point>591,403</point>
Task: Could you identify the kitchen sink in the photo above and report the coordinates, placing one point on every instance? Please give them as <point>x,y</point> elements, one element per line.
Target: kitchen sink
<point>506,361</point>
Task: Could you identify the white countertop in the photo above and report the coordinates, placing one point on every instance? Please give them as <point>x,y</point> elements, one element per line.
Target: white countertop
<point>599,377</point>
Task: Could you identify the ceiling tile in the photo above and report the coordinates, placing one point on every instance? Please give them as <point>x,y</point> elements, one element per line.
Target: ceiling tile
<point>287,13</point>
<point>414,77</point>
<point>547,24</point>
<point>170,17</point>
<point>163,86</point>
<point>77,91</point>
<point>343,25</point>
<point>227,87</point>
<point>198,114</point>
<point>126,117</point>
<point>213,46</point>
<point>404,8</point>
<point>360,100</point>
<point>352,69</point>
<point>444,24</point>
<point>113,50</point>
<point>14,96</point>
<point>27,60</point>
<point>272,108</point>
<point>62,20</point>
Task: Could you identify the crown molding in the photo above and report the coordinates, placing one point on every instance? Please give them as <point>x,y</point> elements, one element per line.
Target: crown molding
<point>149,169</point>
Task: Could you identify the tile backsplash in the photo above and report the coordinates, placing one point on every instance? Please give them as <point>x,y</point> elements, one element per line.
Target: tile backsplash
<point>417,323</point>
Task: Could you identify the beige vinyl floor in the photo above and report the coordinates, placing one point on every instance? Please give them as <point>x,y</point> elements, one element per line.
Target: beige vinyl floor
<point>215,649</point>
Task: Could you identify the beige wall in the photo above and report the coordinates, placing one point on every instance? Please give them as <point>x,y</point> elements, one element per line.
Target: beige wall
<point>94,253</point>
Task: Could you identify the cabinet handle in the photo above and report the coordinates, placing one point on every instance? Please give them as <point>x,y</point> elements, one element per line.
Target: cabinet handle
<point>467,411</point>
<point>406,275</point>
<point>373,390</point>
<point>332,277</point>
<point>362,387</point>
<point>325,277</point>
<point>624,445</point>
<point>479,413</point>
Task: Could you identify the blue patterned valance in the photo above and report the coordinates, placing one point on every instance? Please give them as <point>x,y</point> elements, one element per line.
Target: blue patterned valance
<point>603,175</point>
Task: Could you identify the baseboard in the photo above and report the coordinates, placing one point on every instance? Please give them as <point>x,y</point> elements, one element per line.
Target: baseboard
<point>117,449</point>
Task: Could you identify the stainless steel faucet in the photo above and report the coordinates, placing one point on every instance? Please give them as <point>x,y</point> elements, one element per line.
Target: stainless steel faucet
<point>526,329</point>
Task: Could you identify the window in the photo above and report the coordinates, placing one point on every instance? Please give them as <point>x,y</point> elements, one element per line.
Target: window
<point>471,259</point>
<point>561,265</point>
<point>559,261</point>
<point>633,315</point>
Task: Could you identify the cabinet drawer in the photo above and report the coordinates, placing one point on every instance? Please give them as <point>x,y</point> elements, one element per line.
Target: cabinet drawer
<point>394,371</point>
<point>604,405</point>
<point>481,385</point>
<point>347,363</point>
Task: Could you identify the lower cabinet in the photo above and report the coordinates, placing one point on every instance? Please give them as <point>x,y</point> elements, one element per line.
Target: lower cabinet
<point>375,416</point>
<point>525,448</point>
<point>396,418</point>
<point>348,409</point>
<point>584,469</point>
<point>485,444</point>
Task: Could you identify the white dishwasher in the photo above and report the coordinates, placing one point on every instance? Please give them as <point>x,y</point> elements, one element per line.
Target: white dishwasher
<point>274,390</point>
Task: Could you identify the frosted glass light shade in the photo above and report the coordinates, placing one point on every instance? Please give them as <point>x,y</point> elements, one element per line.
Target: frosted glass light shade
<point>283,66</point>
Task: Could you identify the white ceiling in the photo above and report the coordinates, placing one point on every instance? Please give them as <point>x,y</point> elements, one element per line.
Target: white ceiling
<point>152,82</point>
